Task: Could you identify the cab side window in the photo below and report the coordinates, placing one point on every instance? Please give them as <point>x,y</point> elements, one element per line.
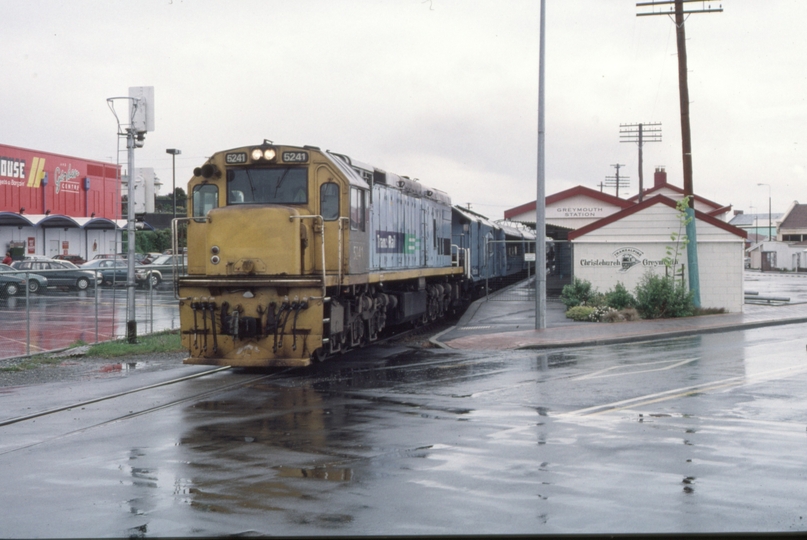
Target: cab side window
<point>357,207</point>
<point>205,198</point>
<point>329,201</point>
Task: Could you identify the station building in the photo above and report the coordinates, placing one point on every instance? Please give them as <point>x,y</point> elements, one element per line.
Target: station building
<point>54,204</point>
<point>607,240</point>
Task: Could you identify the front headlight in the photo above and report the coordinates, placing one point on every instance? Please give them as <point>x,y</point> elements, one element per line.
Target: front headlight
<point>263,153</point>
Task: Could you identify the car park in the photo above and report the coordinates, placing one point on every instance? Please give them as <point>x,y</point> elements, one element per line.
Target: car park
<point>36,283</point>
<point>59,273</point>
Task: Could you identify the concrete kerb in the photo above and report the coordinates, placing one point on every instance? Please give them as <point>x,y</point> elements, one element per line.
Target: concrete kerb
<point>660,335</point>
<point>639,337</point>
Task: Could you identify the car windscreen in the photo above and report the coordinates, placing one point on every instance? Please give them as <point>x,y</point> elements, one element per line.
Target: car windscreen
<point>284,185</point>
<point>165,259</point>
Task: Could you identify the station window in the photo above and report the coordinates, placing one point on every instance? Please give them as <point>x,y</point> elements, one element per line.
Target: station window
<point>205,198</point>
<point>329,201</point>
<point>357,209</point>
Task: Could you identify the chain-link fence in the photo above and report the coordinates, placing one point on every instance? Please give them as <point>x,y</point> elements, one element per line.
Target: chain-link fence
<point>38,316</point>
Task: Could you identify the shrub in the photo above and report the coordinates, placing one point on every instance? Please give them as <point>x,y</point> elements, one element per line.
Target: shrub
<point>604,313</point>
<point>661,297</point>
<point>580,313</point>
<point>630,314</point>
<point>577,293</point>
<point>619,297</point>
<point>612,316</point>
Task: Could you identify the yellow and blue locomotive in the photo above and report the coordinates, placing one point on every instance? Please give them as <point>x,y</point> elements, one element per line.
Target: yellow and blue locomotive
<point>295,254</point>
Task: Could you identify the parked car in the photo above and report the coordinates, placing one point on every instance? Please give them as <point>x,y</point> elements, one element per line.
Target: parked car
<point>75,259</point>
<point>149,258</point>
<point>111,271</point>
<point>59,273</point>
<point>36,283</point>
<point>160,269</point>
<point>11,285</point>
<point>121,256</point>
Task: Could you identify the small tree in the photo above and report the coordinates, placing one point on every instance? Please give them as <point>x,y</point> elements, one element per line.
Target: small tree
<point>577,293</point>
<point>681,239</point>
<point>660,297</point>
<point>619,297</point>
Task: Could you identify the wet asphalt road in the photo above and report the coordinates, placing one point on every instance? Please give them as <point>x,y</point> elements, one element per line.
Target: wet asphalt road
<point>700,434</point>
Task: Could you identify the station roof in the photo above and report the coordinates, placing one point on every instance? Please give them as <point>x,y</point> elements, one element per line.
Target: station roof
<point>658,199</point>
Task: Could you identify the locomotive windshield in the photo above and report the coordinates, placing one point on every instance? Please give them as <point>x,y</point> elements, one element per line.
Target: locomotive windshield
<point>288,185</point>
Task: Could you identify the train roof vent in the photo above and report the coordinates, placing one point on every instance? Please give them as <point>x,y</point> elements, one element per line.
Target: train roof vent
<point>379,176</point>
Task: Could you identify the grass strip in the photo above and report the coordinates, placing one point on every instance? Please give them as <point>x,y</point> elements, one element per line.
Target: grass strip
<point>161,342</point>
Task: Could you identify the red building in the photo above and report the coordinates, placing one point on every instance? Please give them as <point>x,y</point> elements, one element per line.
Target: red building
<point>35,182</point>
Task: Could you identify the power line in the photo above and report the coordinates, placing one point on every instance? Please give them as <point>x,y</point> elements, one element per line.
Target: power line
<point>616,180</point>
<point>640,134</point>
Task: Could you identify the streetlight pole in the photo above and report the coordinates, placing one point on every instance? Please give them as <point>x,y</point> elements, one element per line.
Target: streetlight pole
<point>540,199</point>
<point>174,152</point>
<point>770,226</point>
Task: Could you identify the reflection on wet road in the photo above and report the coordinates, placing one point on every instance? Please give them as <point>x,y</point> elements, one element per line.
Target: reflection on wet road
<point>702,434</point>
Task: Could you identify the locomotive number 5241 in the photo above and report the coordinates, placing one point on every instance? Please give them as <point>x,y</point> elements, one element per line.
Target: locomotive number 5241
<point>295,157</point>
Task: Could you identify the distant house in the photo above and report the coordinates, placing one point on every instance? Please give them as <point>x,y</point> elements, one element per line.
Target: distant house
<point>789,250</point>
<point>793,226</point>
<point>756,225</point>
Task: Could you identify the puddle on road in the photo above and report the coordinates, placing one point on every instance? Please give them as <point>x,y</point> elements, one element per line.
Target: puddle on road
<point>332,474</point>
<point>122,367</point>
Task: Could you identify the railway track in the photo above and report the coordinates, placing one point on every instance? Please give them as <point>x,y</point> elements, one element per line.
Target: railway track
<point>249,377</point>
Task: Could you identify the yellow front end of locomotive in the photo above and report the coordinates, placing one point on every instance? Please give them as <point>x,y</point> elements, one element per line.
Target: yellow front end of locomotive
<point>251,326</point>
<point>247,241</point>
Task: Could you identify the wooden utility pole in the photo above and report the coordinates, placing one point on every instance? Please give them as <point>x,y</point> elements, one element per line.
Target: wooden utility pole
<point>617,181</point>
<point>640,134</point>
<point>686,139</point>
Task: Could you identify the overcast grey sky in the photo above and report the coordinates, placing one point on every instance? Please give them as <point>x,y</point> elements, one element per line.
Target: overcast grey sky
<point>440,90</point>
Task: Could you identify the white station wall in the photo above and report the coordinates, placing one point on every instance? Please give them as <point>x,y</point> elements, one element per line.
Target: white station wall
<point>625,250</point>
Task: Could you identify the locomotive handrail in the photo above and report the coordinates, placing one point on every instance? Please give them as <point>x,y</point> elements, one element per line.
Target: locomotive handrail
<point>322,234</point>
<point>175,248</point>
<point>466,259</point>
<point>341,249</point>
